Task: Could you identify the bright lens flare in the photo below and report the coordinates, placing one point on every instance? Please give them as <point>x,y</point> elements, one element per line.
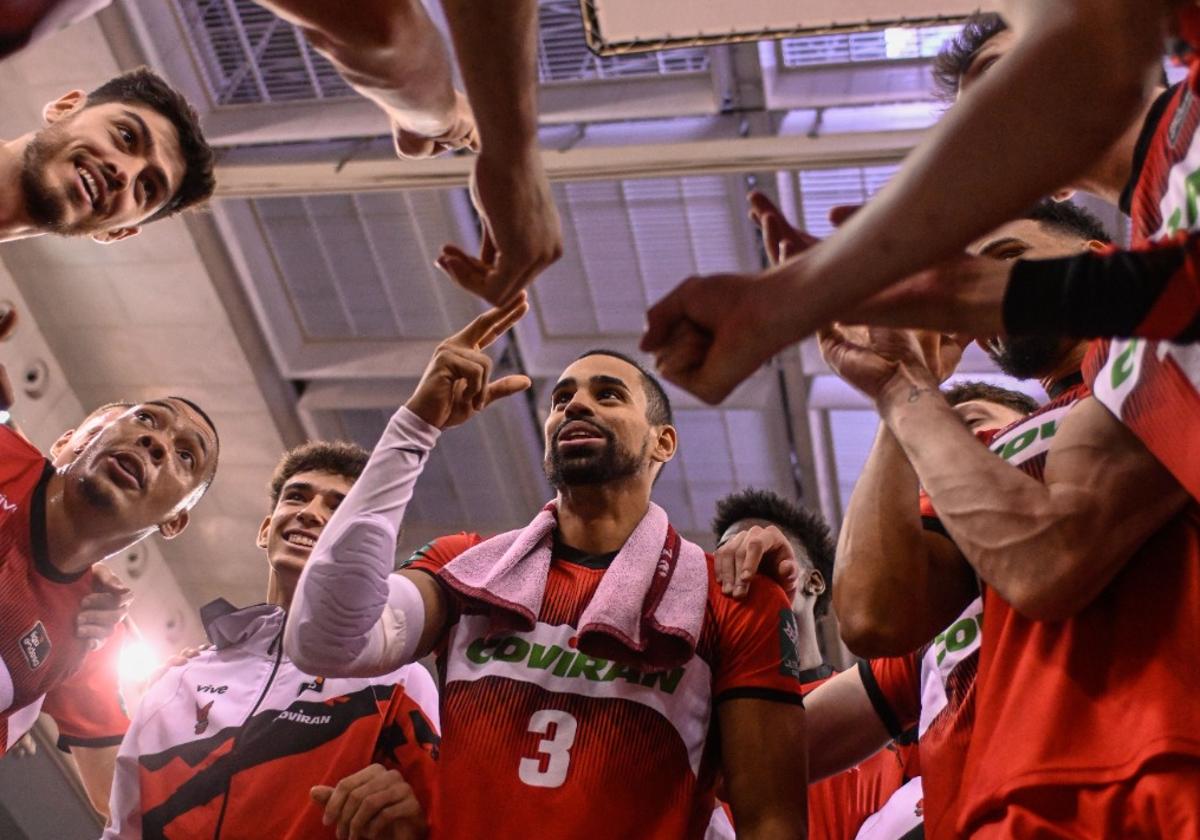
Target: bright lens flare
<point>136,662</point>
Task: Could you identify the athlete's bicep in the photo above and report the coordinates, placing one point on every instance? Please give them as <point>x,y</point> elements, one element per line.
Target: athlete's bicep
<point>765,763</point>
<point>1108,492</point>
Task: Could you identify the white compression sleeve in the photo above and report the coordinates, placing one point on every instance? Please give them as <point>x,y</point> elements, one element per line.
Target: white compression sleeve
<point>340,623</point>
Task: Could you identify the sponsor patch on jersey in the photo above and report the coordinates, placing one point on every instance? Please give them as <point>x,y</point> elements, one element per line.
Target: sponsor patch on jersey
<point>317,684</point>
<point>301,717</point>
<point>35,644</point>
<point>202,716</point>
<point>6,506</point>
<point>789,645</point>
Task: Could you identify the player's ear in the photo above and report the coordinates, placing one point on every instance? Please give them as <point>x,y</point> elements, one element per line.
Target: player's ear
<point>665,445</point>
<point>264,530</point>
<point>60,445</point>
<point>64,106</point>
<point>174,526</point>
<point>814,583</point>
<point>108,237</point>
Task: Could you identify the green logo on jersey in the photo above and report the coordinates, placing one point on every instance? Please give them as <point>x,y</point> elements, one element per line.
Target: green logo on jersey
<point>568,663</point>
<point>958,636</point>
<point>1022,441</point>
<point>1122,367</point>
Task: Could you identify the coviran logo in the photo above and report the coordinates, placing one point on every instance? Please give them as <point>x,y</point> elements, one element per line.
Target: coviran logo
<point>568,663</point>
<point>300,717</point>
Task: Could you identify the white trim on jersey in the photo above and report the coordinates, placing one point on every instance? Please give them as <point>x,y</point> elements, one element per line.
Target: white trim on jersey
<point>898,816</point>
<point>687,707</point>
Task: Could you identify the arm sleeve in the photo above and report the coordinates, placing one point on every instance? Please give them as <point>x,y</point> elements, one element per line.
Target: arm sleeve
<point>1151,292</point>
<point>88,706</point>
<point>348,616</point>
<point>894,687</point>
<point>757,651</point>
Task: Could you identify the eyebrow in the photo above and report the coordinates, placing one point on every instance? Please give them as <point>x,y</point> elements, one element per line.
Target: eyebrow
<point>996,245</point>
<point>598,379</point>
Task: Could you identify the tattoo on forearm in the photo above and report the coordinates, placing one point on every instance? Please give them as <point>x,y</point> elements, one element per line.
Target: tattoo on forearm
<point>916,391</point>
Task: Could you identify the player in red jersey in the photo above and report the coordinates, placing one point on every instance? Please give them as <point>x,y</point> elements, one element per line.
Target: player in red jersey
<point>139,473</point>
<point>107,162</point>
<point>211,740</point>
<point>541,738</point>
<point>838,805</point>
<point>857,712</point>
<point>1088,553</point>
<point>1076,79</point>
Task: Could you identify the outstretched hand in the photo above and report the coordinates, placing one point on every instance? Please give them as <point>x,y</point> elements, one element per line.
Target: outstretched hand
<point>456,384</point>
<point>757,549</point>
<point>522,234</point>
<point>872,358</point>
<point>781,240</point>
<point>373,804</point>
<point>104,608</point>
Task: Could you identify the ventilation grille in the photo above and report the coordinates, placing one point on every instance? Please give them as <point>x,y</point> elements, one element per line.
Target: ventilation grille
<point>249,56</point>
<point>878,45</point>
<point>823,189</point>
<point>563,55</point>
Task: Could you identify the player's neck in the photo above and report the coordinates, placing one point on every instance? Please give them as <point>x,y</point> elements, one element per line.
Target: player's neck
<point>14,220</point>
<point>77,538</point>
<point>281,589</point>
<point>807,648</point>
<point>1111,174</point>
<point>598,519</point>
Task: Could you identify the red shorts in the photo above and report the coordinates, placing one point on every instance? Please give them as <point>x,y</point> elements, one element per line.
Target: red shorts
<point>1161,802</point>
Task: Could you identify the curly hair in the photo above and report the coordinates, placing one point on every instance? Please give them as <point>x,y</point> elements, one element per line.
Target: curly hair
<point>806,527</point>
<point>335,457</point>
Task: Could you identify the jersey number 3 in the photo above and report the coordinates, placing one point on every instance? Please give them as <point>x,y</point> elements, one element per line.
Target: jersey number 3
<point>555,750</point>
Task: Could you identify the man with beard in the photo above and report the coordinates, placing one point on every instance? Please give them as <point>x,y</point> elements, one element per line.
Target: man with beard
<point>243,717</point>
<point>1084,554</point>
<point>138,473</point>
<point>595,678</point>
<point>128,153</point>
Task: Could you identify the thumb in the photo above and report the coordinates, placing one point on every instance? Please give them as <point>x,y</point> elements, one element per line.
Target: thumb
<point>320,794</point>
<point>506,387</point>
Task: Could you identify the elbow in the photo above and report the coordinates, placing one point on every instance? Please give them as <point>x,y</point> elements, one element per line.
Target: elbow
<point>873,634</point>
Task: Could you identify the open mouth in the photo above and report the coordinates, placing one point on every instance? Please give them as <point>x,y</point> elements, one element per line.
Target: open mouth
<point>299,539</point>
<point>92,183</point>
<point>129,470</point>
<point>577,434</point>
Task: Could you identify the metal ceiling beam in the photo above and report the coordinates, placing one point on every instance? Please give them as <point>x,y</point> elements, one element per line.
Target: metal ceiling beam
<point>246,177</point>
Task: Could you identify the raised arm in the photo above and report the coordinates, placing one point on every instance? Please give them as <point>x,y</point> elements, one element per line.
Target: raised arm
<point>391,52</point>
<point>496,45</point>
<point>351,615</point>
<point>1067,90</point>
<point>1035,542</point>
<point>895,584</point>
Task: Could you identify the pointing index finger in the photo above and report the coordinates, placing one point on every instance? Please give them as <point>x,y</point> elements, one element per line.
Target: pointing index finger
<point>491,324</point>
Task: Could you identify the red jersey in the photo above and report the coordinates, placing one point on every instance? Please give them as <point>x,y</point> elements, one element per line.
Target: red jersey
<point>88,707</point>
<point>839,805</point>
<point>38,604</point>
<point>1088,700</point>
<point>541,740</point>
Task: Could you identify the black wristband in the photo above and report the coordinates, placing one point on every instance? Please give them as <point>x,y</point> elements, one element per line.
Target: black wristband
<point>1088,295</point>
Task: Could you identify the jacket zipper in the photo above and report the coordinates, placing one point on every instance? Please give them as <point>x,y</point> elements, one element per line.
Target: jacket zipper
<point>278,645</point>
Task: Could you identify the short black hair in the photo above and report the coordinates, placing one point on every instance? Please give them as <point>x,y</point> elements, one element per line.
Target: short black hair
<point>658,404</point>
<point>967,391</point>
<point>956,55</point>
<point>145,87</point>
<point>808,528</point>
<point>337,457</point>
<point>1070,217</point>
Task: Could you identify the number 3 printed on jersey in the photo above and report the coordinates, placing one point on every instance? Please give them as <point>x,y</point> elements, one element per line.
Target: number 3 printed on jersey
<point>556,749</point>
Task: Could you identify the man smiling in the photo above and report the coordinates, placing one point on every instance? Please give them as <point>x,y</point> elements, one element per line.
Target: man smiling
<point>106,162</point>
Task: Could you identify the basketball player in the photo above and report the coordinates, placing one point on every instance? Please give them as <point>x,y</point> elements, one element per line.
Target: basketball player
<point>232,742</point>
<point>542,737</point>
<point>1087,551</point>
<point>107,162</point>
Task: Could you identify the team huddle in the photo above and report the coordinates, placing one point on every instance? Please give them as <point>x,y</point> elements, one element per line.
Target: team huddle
<point>1021,581</point>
